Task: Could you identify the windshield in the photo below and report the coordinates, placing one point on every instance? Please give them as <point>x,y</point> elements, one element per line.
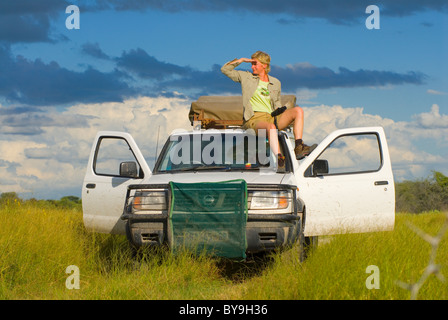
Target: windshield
<point>214,151</point>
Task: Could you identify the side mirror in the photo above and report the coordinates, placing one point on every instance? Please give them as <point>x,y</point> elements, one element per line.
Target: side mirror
<point>128,169</point>
<point>320,167</point>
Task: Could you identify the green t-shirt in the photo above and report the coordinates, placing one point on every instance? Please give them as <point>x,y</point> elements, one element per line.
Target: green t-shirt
<point>261,100</point>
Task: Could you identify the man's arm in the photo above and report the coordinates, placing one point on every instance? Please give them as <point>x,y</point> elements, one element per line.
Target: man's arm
<point>229,68</point>
<point>278,96</point>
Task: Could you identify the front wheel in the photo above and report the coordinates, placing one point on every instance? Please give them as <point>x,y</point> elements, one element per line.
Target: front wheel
<point>310,244</point>
<point>300,243</point>
<point>132,244</point>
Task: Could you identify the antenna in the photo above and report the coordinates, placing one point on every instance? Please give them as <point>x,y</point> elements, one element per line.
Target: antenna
<point>157,145</point>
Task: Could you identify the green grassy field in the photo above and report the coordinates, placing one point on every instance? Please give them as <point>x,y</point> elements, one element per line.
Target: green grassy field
<point>38,243</point>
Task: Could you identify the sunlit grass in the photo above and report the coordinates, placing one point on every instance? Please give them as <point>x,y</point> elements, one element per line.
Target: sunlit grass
<point>337,269</point>
<point>38,243</point>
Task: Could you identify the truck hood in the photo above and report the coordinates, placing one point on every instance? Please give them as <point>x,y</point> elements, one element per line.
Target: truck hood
<point>193,177</point>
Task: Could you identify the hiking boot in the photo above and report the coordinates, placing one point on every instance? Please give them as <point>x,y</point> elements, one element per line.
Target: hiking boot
<point>281,162</point>
<point>302,150</point>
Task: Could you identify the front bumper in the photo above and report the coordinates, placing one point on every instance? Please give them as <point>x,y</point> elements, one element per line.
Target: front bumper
<point>264,232</point>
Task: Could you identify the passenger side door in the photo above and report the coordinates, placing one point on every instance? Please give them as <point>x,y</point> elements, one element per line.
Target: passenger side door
<point>347,184</point>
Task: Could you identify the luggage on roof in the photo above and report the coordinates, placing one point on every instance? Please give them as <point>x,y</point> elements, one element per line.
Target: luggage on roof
<point>224,111</point>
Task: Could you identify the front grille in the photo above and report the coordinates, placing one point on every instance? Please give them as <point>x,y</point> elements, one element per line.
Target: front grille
<point>208,200</point>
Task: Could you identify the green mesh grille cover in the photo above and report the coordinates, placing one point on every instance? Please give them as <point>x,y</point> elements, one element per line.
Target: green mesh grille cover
<point>209,217</point>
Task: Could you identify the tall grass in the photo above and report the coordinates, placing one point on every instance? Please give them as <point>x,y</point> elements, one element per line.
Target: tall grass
<point>338,269</point>
<point>38,243</point>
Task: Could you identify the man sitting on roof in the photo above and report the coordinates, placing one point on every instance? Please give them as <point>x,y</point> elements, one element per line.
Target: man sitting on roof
<point>261,96</point>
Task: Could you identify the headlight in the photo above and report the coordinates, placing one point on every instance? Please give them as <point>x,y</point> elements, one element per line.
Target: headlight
<point>149,202</point>
<point>269,200</point>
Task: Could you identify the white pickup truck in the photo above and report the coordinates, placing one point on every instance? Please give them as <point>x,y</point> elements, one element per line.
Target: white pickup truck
<point>344,186</point>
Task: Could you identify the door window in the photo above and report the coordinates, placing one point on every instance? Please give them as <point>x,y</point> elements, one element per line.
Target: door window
<point>347,154</point>
<point>110,154</point>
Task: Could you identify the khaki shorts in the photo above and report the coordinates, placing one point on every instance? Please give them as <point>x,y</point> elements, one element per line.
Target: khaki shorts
<point>257,117</point>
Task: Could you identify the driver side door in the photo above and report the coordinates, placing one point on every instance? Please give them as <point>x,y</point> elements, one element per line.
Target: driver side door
<point>115,162</point>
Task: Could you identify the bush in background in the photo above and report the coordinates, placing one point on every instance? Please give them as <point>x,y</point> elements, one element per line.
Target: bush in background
<point>68,202</point>
<point>429,194</point>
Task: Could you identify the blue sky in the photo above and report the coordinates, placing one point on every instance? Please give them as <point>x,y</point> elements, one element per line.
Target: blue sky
<point>137,65</point>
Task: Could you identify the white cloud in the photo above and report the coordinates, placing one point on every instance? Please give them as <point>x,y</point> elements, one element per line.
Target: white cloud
<point>435,92</point>
<point>305,96</point>
<point>55,159</point>
<point>411,155</point>
<point>432,119</point>
<point>52,164</point>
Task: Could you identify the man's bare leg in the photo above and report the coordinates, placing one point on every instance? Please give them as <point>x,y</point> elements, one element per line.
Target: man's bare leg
<point>292,115</point>
<point>296,115</point>
<point>271,131</point>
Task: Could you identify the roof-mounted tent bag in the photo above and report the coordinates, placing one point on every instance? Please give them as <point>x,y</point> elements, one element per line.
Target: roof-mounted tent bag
<point>224,111</point>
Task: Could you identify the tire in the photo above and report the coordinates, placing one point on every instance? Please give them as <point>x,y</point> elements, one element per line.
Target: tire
<point>132,245</point>
<point>310,244</point>
<point>300,244</point>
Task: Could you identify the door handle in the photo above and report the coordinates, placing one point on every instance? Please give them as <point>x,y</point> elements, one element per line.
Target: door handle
<point>381,183</point>
<point>90,186</point>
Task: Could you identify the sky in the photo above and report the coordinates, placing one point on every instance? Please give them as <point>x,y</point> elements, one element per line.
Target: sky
<point>136,66</point>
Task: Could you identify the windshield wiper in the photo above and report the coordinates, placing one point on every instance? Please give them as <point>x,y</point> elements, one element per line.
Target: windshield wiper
<point>204,167</point>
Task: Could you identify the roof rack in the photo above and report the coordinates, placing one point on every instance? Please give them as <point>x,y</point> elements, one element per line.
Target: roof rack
<point>223,112</point>
<point>210,123</point>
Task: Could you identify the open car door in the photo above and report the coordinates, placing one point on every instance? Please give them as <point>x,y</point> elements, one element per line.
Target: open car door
<point>347,184</point>
<point>114,163</point>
